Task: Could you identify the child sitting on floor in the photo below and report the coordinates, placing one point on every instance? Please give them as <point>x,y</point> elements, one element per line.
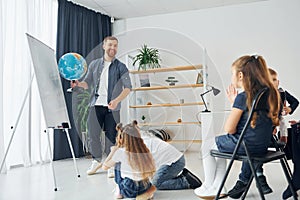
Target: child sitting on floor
<point>171,173</point>
<point>134,165</point>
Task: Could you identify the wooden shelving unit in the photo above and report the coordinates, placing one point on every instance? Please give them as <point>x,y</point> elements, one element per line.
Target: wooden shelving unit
<point>166,69</point>
<point>167,87</point>
<point>169,123</point>
<point>167,105</point>
<point>185,141</point>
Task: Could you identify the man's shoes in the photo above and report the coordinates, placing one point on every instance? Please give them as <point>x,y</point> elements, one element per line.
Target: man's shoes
<point>111,172</point>
<point>264,185</point>
<point>95,166</point>
<point>237,191</point>
<point>191,178</point>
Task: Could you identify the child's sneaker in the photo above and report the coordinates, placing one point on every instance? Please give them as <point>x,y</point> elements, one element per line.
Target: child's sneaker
<point>237,191</point>
<point>117,193</point>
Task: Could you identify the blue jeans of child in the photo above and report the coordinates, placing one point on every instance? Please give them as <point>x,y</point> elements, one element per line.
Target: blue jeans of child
<point>227,143</point>
<point>166,177</point>
<point>130,188</point>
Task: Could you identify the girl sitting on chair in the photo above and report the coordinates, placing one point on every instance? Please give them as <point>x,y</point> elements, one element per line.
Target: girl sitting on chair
<point>249,73</point>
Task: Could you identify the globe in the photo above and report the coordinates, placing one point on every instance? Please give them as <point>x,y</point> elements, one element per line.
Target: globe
<point>72,66</point>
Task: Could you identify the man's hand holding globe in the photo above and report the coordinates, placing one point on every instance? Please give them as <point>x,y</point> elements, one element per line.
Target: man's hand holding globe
<point>72,67</point>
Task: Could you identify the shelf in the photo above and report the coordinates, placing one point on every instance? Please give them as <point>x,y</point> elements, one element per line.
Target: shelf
<point>169,123</point>
<point>167,87</point>
<point>167,105</point>
<point>166,69</point>
<point>185,141</point>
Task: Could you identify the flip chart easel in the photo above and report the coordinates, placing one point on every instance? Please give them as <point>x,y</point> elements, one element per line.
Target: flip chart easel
<point>51,94</point>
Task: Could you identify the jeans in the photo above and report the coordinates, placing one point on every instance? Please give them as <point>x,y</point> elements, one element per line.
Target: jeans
<point>166,177</point>
<point>130,188</point>
<point>227,143</point>
<point>102,118</point>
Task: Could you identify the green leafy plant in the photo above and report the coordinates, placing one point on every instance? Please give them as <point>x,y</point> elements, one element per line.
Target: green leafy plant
<point>147,58</point>
<point>83,109</point>
<point>143,117</point>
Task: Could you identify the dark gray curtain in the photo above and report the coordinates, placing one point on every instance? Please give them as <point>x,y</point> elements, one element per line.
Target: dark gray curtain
<point>79,30</point>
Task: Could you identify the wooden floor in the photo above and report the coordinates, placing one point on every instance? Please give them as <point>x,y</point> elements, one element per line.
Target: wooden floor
<point>36,182</point>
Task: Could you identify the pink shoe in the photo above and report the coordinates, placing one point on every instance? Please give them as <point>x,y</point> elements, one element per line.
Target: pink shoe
<point>117,193</point>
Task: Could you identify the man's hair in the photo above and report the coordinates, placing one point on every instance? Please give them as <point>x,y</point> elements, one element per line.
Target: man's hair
<point>272,72</point>
<point>110,38</point>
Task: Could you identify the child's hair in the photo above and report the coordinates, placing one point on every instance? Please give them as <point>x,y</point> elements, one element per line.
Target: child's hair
<point>255,77</point>
<point>272,72</point>
<point>139,156</point>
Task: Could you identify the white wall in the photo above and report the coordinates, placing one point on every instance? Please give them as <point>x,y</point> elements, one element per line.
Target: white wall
<point>269,28</point>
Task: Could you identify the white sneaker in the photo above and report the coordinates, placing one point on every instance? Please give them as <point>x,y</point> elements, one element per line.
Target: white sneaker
<point>200,190</point>
<point>210,193</point>
<point>111,172</point>
<point>95,166</point>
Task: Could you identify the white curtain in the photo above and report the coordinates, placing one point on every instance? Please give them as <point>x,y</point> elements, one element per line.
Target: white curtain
<point>38,18</point>
<point>1,88</point>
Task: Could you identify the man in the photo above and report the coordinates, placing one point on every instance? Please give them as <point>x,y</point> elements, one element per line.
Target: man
<point>110,83</point>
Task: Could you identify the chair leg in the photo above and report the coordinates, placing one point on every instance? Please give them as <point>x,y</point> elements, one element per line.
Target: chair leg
<point>253,170</point>
<point>288,167</point>
<point>256,180</point>
<point>286,171</point>
<point>286,163</point>
<point>247,188</point>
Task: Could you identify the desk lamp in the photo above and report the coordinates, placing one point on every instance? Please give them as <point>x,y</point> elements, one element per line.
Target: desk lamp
<point>215,92</point>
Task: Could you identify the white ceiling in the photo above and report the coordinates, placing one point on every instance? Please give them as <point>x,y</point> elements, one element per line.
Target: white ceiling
<point>122,9</point>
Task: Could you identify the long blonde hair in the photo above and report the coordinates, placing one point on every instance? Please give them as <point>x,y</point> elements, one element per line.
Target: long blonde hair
<point>255,77</point>
<point>139,156</point>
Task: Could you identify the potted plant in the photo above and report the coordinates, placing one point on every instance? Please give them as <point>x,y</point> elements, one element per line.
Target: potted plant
<point>81,98</point>
<point>147,58</point>
<point>143,119</point>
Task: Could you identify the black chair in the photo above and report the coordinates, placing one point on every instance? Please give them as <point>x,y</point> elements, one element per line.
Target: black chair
<point>254,161</point>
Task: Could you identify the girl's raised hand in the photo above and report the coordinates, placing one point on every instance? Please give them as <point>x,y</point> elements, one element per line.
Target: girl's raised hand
<point>231,93</point>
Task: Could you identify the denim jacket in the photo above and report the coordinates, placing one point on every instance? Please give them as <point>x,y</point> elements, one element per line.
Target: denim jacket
<point>118,79</point>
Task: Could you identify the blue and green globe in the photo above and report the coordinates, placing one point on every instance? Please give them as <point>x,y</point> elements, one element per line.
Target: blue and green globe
<point>72,66</point>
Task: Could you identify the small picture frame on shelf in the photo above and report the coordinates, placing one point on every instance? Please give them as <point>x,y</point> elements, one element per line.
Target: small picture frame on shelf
<point>144,80</point>
<point>199,79</point>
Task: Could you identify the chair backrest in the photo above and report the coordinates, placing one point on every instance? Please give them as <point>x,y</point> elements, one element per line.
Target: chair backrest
<point>258,103</point>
